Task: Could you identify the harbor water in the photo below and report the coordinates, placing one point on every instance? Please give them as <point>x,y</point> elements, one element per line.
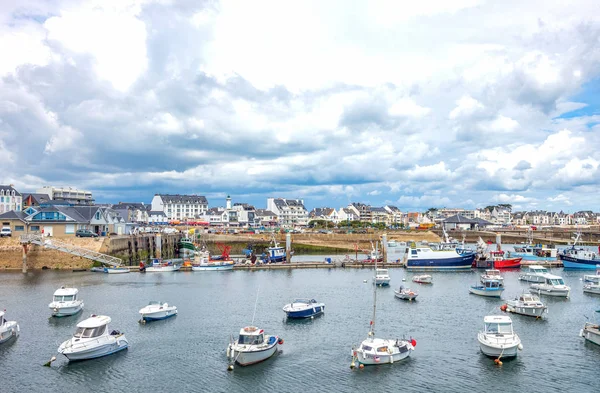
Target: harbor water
<point>187,352</point>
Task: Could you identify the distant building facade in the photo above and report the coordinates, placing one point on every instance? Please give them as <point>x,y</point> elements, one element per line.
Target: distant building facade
<point>289,212</point>
<point>68,195</point>
<point>180,207</point>
<point>10,199</point>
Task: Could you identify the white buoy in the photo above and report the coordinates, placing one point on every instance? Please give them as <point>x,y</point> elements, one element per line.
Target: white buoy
<point>520,347</point>
<point>364,280</point>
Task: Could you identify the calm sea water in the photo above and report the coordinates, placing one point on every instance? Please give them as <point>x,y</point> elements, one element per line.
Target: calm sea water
<point>187,352</point>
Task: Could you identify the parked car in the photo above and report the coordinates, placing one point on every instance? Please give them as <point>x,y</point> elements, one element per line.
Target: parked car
<point>5,232</point>
<point>85,233</point>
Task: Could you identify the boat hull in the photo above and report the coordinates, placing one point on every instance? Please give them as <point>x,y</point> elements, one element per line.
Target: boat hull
<point>117,270</point>
<point>65,311</point>
<point>247,358</point>
<point>405,296</point>
<point>461,262</point>
<point>307,313</point>
<point>423,279</point>
<point>394,355</point>
<point>591,333</point>
<point>510,263</point>
<point>8,331</point>
<point>158,269</point>
<point>497,350</point>
<point>575,263</point>
<point>159,315</point>
<point>481,291</point>
<point>550,291</point>
<point>592,289</point>
<point>536,312</point>
<point>382,282</point>
<point>212,267</point>
<point>76,354</point>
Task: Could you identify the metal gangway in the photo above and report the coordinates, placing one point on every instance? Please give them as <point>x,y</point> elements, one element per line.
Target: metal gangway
<point>54,244</point>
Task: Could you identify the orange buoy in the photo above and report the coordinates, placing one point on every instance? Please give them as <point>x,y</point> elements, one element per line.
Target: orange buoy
<point>361,366</point>
<point>503,307</point>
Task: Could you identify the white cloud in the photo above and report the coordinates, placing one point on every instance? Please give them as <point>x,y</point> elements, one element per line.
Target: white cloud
<point>466,106</point>
<point>512,198</point>
<point>409,108</point>
<point>374,193</point>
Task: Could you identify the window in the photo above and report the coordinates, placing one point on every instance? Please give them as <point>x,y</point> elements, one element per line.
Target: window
<point>19,228</point>
<point>34,228</point>
<point>70,229</point>
<point>98,215</point>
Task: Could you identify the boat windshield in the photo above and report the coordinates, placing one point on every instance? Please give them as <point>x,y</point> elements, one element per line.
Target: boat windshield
<point>1,321</point>
<point>251,340</point>
<point>539,270</point>
<point>499,328</point>
<point>90,332</point>
<point>67,298</point>
<point>556,281</point>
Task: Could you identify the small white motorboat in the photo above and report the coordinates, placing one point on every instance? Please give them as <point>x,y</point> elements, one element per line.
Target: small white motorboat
<point>382,278</point>
<point>489,288</point>
<point>252,346</point>
<point>8,329</point>
<point>303,308</point>
<point>592,288</point>
<point>492,274</point>
<point>591,332</point>
<point>498,338</point>
<point>405,294</point>
<point>533,273</point>
<point>204,263</point>
<point>551,286</point>
<point>159,265</point>
<point>97,269</point>
<point>93,340</point>
<point>526,304</point>
<point>156,311</point>
<point>65,302</point>
<point>116,269</point>
<point>423,279</point>
<point>593,278</point>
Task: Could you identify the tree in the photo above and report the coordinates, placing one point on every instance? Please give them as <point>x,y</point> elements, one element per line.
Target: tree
<point>490,208</point>
<point>507,206</point>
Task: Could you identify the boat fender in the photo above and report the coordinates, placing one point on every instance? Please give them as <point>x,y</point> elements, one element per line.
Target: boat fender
<point>503,307</point>
<point>520,347</point>
<point>280,342</point>
<point>413,342</point>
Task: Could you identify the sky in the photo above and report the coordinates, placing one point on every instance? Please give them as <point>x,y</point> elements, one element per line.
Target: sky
<point>467,103</point>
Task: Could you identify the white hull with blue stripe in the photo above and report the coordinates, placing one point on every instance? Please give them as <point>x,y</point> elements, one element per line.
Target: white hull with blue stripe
<point>424,258</point>
<point>156,311</point>
<point>304,308</point>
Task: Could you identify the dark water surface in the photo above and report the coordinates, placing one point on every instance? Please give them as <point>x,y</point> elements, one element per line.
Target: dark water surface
<point>187,352</point>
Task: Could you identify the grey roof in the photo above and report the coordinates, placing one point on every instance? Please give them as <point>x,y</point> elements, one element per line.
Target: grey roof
<point>13,215</point>
<point>246,206</point>
<point>281,202</point>
<point>38,198</point>
<point>131,205</point>
<point>481,222</point>
<point>86,212</point>
<point>10,189</point>
<point>379,210</point>
<point>458,219</point>
<point>264,212</point>
<point>348,211</point>
<point>320,211</point>
<point>170,198</point>
<point>393,208</point>
<point>157,213</point>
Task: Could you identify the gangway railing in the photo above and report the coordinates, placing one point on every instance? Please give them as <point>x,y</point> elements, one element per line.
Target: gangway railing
<point>58,245</point>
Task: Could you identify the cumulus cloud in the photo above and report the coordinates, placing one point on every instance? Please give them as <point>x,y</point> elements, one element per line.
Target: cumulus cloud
<point>133,97</point>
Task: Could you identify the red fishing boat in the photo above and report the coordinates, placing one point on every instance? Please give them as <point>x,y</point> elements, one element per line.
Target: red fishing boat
<point>499,261</point>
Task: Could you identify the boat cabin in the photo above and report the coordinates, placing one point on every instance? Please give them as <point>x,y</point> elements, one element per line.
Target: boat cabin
<point>64,294</point>
<point>491,284</point>
<point>251,335</point>
<point>529,299</point>
<point>304,301</point>
<point>497,324</point>
<point>492,272</point>
<point>553,280</point>
<point>381,272</point>
<point>95,326</point>
<point>537,269</point>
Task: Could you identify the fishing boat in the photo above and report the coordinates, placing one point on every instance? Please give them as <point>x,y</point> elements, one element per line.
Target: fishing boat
<point>527,304</point>
<point>498,338</point>
<point>8,329</point>
<point>501,261</point>
<point>204,262</point>
<point>375,351</point>
<point>424,258</point>
<point>159,265</point>
<point>489,288</point>
<point>116,269</point>
<point>579,257</point>
<point>423,279</point>
<point>551,286</point>
<point>65,302</point>
<point>304,308</point>
<point>186,248</point>
<point>382,277</point>
<point>591,332</point>
<point>492,274</point>
<point>93,340</point>
<point>595,278</point>
<point>392,243</point>
<point>275,252</point>
<point>405,293</point>
<point>533,273</point>
<point>533,252</point>
<point>593,288</point>
<point>156,311</point>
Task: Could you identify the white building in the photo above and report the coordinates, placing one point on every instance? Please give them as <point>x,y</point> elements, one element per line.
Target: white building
<point>289,212</point>
<point>347,214</point>
<point>325,214</point>
<point>10,199</point>
<point>180,207</point>
<point>246,214</point>
<point>70,195</point>
<point>395,214</point>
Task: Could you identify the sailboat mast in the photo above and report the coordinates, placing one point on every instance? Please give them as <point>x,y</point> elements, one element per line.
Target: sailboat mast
<point>372,331</point>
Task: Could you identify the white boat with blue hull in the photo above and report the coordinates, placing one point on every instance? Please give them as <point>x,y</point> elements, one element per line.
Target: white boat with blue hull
<point>275,253</point>
<point>93,340</point>
<point>65,302</point>
<point>304,308</point>
<point>155,311</point>
<point>489,288</point>
<point>252,346</point>
<point>424,258</point>
<point>382,278</point>
<point>578,258</point>
<point>8,329</point>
